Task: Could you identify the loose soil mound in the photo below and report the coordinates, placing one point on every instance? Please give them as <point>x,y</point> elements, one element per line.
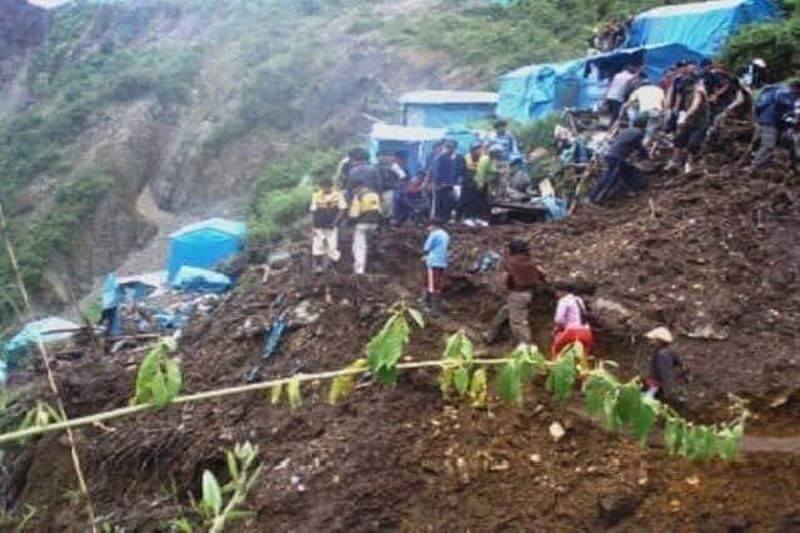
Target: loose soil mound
<point>713,255</point>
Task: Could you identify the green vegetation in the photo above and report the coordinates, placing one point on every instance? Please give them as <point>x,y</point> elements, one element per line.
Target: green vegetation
<point>283,191</point>
<point>536,133</point>
<point>493,40</point>
<point>778,43</point>
<point>620,405</point>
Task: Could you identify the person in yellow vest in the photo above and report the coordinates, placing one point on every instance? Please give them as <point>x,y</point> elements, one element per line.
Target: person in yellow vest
<point>365,212</point>
<point>328,207</point>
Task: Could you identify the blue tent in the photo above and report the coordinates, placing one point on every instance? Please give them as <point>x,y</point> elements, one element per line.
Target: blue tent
<point>446,109</point>
<point>194,279</point>
<point>416,144</point>
<point>205,244</point>
<point>536,91</point>
<point>657,59</point>
<point>702,26</point>
<point>533,92</point>
<point>17,347</point>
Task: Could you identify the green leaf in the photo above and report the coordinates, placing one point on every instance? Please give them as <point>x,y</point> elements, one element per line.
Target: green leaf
<point>728,444</point>
<point>674,432</point>
<point>386,348</point>
<point>477,390</point>
<point>293,393</point>
<point>148,370</point>
<point>645,420</point>
<point>509,385</point>
<point>595,390</point>
<point>446,381</point>
<point>158,388</point>
<point>233,467</point>
<point>461,380</point>
<point>174,379</point>
<point>562,377</point>
<point>629,403</point>
<point>612,421</point>
<point>212,495</point>
<point>275,394</point>
<point>343,385</point>
<point>417,317</point>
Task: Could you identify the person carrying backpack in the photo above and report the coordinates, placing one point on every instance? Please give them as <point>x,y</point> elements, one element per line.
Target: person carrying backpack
<point>775,115</point>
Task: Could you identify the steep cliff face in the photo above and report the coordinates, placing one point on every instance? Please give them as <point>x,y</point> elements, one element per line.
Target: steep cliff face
<point>190,99</point>
<point>22,28</point>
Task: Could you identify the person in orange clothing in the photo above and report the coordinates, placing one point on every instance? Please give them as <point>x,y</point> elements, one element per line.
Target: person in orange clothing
<point>571,324</point>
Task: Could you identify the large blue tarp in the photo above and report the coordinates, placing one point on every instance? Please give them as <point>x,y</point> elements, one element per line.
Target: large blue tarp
<point>45,330</point>
<point>446,109</point>
<point>536,91</point>
<point>194,279</point>
<point>416,144</point>
<point>205,244</point>
<point>702,26</point>
<point>656,59</point>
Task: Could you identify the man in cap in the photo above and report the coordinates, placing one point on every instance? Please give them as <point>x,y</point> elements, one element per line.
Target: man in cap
<point>445,174</point>
<point>776,115</point>
<point>664,367</point>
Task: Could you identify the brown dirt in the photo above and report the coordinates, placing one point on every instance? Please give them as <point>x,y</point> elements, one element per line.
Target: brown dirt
<point>719,243</point>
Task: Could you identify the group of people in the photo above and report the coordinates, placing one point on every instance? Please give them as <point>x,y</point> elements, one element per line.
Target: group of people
<point>610,36</point>
<point>689,106</point>
<point>450,186</point>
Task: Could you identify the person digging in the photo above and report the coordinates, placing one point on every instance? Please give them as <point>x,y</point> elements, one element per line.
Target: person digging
<point>520,277</point>
<point>665,365</point>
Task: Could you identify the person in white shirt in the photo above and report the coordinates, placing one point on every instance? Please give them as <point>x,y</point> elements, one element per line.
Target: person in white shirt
<point>647,100</point>
<point>617,91</point>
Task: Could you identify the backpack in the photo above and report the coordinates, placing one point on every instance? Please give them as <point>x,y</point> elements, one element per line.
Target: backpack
<point>766,98</point>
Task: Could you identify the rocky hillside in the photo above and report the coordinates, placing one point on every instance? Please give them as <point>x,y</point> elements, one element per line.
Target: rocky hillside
<point>183,100</point>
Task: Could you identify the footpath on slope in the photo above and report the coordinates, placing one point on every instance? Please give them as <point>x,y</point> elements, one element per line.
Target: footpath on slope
<point>714,251</point>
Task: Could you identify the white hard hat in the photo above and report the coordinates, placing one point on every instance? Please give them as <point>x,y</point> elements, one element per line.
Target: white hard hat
<point>660,334</point>
<point>759,62</point>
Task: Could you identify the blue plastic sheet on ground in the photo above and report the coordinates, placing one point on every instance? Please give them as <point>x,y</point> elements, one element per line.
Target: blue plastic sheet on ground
<point>556,208</point>
<point>18,347</point>
<point>703,27</point>
<point>111,292</point>
<point>193,279</point>
<point>205,244</point>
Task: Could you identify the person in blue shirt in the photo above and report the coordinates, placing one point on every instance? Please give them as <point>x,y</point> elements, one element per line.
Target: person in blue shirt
<point>775,115</point>
<point>436,255</point>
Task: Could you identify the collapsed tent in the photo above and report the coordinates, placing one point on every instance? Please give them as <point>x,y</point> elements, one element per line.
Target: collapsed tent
<point>205,244</point>
<point>142,286</point>
<point>446,109</point>
<point>656,60</point>
<point>49,330</point>
<point>535,91</point>
<point>702,26</point>
<point>194,279</point>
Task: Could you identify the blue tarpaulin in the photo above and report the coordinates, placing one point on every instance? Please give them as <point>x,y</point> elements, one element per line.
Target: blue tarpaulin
<point>446,109</point>
<point>17,347</point>
<point>535,91</point>
<point>702,26</point>
<point>194,279</point>
<point>657,59</point>
<point>205,244</point>
<point>416,144</point>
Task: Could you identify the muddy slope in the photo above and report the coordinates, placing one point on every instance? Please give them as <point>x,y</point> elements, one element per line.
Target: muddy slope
<point>715,249</point>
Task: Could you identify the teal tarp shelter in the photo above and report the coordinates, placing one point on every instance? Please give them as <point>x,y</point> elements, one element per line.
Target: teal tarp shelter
<point>49,330</point>
<point>416,144</point>
<point>446,109</point>
<point>535,91</point>
<point>701,26</point>
<point>205,244</point>
<point>656,59</point>
<point>194,279</point>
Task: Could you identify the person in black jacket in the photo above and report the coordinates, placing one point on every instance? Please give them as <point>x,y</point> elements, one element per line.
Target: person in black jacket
<point>618,167</point>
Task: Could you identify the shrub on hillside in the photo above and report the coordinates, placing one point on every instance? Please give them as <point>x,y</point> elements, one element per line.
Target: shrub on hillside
<point>778,43</point>
<point>538,133</point>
